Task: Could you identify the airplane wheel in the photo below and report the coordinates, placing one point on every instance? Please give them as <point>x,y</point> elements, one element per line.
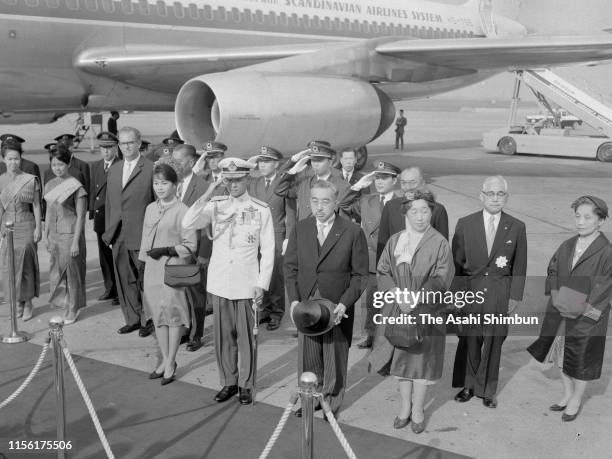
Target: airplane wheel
<point>507,146</point>
<point>604,152</point>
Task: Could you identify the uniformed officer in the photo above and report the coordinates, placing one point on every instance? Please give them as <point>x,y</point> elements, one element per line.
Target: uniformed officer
<point>207,166</point>
<point>97,201</point>
<point>241,229</point>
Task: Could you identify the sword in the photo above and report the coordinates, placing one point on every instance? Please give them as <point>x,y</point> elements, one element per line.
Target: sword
<point>255,333</point>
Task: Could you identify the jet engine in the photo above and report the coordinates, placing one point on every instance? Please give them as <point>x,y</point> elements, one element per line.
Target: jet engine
<point>246,110</point>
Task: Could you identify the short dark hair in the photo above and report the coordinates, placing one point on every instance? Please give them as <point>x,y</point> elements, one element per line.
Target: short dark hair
<point>113,113</point>
<point>347,151</point>
<point>187,150</point>
<point>61,153</point>
<point>11,145</point>
<point>166,171</point>
<point>415,195</point>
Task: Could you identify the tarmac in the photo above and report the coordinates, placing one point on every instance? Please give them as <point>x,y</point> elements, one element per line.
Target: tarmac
<point>446,144</point>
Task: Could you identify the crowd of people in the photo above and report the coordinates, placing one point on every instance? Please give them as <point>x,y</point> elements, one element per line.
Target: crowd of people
<point>265,230</point>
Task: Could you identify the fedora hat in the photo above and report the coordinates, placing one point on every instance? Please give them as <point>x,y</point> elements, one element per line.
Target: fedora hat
<point>314,317</point>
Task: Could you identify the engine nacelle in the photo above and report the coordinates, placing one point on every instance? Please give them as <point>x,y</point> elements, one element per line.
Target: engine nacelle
<point>246,110</point>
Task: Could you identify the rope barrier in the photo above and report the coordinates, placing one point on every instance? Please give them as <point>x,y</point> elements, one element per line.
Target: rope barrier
<point>92,411</point>
<point>336,428</point>
<point>279,427</point>
<point>27,381</point>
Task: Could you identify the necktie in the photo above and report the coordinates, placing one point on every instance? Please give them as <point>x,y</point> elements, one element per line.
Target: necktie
<point>382,201</point>
<point>267,183</point>
<point>320,234</point>
<point>106,166</point>
<point>346,176</point>
<point>179,191</point>
<point>490,234</point>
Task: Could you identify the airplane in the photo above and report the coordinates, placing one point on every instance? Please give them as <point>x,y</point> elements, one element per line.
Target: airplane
<point>260,72</point>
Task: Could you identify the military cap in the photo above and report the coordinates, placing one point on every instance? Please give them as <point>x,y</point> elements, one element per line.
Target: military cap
<point>382,167</point>
<point>269,153</point>
<point>107,139</point>
<point>172,141</point>
<point>321,149</point>
<point>51,146</point>
<point>214,149</point>
<point>66,139</point>
<point>11,138</point>
<point>144,144</point>
<point>235,167</point>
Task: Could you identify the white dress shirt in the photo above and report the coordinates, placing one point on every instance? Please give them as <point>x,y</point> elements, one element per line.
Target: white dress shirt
<point>326,225</point>
<point>487,217</point>
<point>128,168</point>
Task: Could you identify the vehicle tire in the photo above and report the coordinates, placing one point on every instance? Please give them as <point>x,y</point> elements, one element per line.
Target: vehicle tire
<point>507,145</point>
<point>575,125</point>
<point>604,152</point>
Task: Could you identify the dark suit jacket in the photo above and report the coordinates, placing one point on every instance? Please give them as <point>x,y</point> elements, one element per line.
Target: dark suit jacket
<point>97,195</point>
<point>355,178</point>
<point>27,166</point>
<point>502,272</point>
<point>278,205</point>
<point>125,207</point>
<point>197,187</point>
<point>339,269</point>
<point>78,169</point>
<point>392,221</point>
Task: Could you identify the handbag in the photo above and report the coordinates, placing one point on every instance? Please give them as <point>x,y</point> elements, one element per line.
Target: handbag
<point>177,276</point>
<point>402,336</point>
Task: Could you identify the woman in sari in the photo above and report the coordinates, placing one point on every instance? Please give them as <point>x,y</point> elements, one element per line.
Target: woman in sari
<point>165,241</point>
<point>579,283</point>
<point>64,232</point>
<point>417,259</point>
<point>20,204</point>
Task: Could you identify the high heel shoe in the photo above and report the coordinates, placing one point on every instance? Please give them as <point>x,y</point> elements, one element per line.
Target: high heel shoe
<point>399,423</point>
<point>165,381</point>
<point>27,312</point>
<point>557,407</point>
<point>570,417</point>
<point>418,427</point>
<point>156,375</point>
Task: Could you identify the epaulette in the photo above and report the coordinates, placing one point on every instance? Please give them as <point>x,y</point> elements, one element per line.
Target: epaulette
<point>261,203</point>
<point>219,198</point>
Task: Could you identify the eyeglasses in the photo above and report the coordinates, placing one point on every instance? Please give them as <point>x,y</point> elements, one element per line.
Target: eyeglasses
<point>126,144</point>
<point>492,194</point>
<point>228,181</point>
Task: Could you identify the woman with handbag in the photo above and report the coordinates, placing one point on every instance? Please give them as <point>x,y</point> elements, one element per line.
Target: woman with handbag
<point>417,259</point>
<point>166,245</point>
<point>579,283</point>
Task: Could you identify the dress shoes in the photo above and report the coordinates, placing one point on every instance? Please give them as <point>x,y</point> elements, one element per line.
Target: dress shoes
<point>128,329</point>
<point>298,412</point>
<point>418,427</point>
<point>194,344</point>
<point>156,375</point>
<point>165,380</point>
<point>557,407</point>
<point>226,393</point>
<point>184,339</point>
<point>399,423</point>
<point>464,396</point>
<point>19,311</point>
<point>489,402</point>
<point>27,313</point>
<point>366,344</point>
<point>245,396</point>
<point>274,324</point>
<point>146,330</point>
<point>264,320</point>
<point>107,296</point>
<point>115,302</point>
<point>568,417</point>
<point>70,318</point>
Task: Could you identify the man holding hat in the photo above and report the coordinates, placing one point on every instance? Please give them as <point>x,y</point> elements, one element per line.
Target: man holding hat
<point>242,229</point>
<point>262,188</point>
<point>97,204</point>
<point>326,258</point>
<point>297,177</point>
<point>369,210</point>
<point>27,166</point>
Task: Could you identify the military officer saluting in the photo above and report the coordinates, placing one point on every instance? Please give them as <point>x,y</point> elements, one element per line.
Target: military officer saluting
<point>241,228</point>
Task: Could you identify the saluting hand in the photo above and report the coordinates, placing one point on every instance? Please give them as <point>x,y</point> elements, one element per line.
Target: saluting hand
<point>364,181</point>
<point>295,158</point>
<point>300,165</point>
<point>200,164</point>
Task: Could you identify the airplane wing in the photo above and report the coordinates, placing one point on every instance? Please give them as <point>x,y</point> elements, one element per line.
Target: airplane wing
<point>501,53</point>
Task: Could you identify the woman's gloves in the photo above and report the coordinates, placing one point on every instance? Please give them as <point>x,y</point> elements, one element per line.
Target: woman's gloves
<point>159,252</point>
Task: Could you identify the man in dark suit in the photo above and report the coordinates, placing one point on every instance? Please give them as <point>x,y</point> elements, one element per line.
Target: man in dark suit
<point>327,257</point>
<point>392,221</point>
<point>190,188</point>
<point>490,254</point>
<point>262,188</point>
<point>352,176</point>
<point>78,168</point>
<point>27,166</point>
<point>112,123</point>
<point>129,192</point>
<point>97,202</point>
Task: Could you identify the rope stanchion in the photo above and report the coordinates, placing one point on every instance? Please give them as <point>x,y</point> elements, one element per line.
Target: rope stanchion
<point>92,411</point>
<point>336,428</point>
<point>27,381</point>
<point>279,427</point>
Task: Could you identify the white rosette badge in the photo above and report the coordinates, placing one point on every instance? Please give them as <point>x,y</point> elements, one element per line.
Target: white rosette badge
<point>501,262</point>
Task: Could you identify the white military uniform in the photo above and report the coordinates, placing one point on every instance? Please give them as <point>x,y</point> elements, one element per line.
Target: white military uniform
<point>241,229</point>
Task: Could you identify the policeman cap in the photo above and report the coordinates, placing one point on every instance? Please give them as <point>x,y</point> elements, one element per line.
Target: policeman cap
<point>172,141</point>
<point>212,148</point>
<point>269,154</point>
<point>382,167</point>
<point>144,144</point>
<point>235,167</point>
<point>107,139</point>
<point>11,137</point>
<point>321,149</point>
<point>51,146</point>
<point>66,139</point>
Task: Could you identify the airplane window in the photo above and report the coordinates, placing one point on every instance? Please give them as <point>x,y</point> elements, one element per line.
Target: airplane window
<point>327,23</point>
<point>374,28</point>
<point>50,3</point>
<point>236,14</point>
<point>14,2</point>
<point>305,22</point>
<point>72,4</point>
<point>208,14</point>
<point>272,19</point>
<point>259,16</point>
<point>293,20</point>
<point>316,22</point>
<point>91,5</point>
<point>221,14</point>
<point>247,15</point>
<point>283,19</point>
<point>126,7</point>
<point>31,3</point>
<point>143,7</point>
<point>193,11</point>
<point>108,6</point>
<point>161,8</point>
<point>179,12</point>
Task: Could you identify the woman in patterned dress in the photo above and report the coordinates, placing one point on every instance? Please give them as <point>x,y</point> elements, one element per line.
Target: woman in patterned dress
<point>20,204</point>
